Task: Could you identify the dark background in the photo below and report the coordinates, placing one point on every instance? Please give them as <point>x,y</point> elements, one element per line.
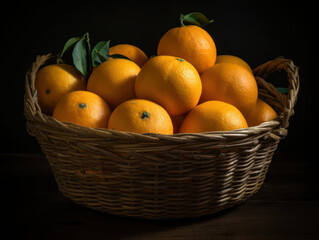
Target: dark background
<point>286,207</point>
<point>255,31</point>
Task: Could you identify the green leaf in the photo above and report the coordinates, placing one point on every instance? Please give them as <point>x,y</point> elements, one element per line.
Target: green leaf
<point>80,57</point>
<point>100,53</point>
<point>67,45</point>
<point>119,56</point>
<point>195,18</point>
<point>282,90</point>
<point>101,58</point>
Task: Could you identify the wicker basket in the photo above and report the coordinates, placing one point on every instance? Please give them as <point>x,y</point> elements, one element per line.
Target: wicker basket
<point>161,176</point>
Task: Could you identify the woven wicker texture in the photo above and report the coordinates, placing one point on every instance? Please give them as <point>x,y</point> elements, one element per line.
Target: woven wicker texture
<point>162,176</point>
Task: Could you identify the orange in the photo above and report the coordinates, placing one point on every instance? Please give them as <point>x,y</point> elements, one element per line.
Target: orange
<point>140,116</point>
<point>233,59</point>
<point>83,108</point>
<point>213,116</point>
<point>191,43</point>
<point>261,113</point>
<point>114,80</point>
<point>171,82</point>
<point>132,52</point>
<point>230,83</point>
<point>54,81</point>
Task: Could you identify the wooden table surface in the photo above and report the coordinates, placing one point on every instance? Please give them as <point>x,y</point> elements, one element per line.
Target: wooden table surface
<point>286,207</point>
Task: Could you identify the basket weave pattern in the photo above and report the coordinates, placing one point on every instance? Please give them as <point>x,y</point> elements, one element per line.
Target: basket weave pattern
<point>162,176</point>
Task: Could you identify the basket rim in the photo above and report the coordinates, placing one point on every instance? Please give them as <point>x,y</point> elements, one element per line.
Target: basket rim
<point>32,110</point>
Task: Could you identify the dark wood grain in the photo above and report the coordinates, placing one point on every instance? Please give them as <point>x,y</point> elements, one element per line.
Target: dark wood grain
<point>286,207</point>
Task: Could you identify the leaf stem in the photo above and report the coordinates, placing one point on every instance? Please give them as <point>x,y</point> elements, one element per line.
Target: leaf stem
<point>181,18</point>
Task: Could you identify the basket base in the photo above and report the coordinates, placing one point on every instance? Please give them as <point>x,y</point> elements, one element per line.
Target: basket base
<point>177,211</point>
<point>119,192</point>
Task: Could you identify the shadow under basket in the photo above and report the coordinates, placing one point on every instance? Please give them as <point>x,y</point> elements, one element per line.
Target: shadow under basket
<point>162,176</point>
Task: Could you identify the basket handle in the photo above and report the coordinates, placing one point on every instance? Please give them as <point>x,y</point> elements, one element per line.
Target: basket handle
<point>30,90</point>
<point>288,66</point>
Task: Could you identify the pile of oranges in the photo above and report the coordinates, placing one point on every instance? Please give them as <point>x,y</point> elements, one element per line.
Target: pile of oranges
<point>186,88</point>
